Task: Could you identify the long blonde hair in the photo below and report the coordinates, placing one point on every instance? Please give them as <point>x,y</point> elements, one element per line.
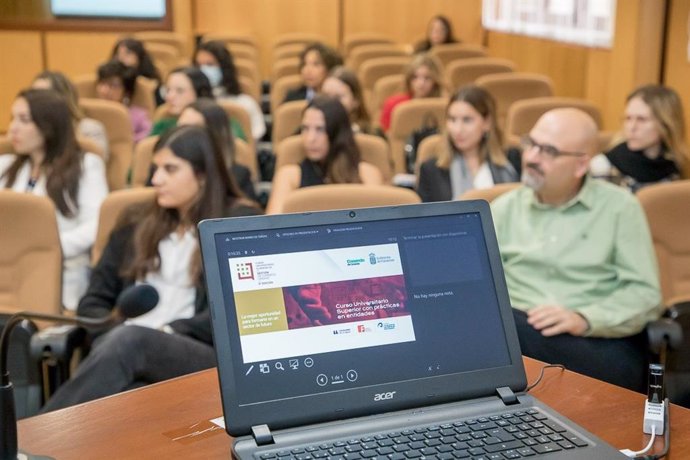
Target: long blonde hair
<point>491,145</point>
<point>667,110</point>
<point>431,63</point>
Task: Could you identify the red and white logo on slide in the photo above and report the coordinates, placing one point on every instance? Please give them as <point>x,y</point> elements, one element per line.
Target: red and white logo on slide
<point>245,271</point>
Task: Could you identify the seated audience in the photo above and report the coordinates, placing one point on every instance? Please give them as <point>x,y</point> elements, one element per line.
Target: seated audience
<point>472,153</point>
<point>654,149</point>
<point>158,245</point>
<point>439,32</point>
<point>205,112</point>
<point>422,79</point>
<point>86,127</point>
<point>315,62</point>
<point>216,62</point>
<point>117,83</point>
<point>49,162</point>
<point>342,84</point>
<point>131,52</point>
<point>332,156</point>
<point>184,86</point>
<point>578,257</point>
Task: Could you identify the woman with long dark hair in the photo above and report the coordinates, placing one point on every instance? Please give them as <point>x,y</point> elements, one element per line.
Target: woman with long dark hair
<point>158,245</point>
<point>49,162</point>
<point>332,156</point>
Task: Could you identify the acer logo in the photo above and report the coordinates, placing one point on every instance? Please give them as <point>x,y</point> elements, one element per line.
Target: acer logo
<point>384,396</point>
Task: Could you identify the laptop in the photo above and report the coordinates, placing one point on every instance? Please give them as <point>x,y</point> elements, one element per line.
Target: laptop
<point>374,333</point>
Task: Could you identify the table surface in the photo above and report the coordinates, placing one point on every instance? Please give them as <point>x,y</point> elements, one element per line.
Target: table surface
<point>171,419</point>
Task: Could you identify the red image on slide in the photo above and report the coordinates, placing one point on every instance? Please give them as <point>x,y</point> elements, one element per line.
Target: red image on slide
<point>345,301</point>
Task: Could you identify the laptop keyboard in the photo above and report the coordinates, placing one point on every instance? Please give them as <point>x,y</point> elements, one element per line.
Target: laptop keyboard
<point>520,434</point>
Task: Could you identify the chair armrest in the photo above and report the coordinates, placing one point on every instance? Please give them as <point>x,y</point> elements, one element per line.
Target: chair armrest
<point>668,330</point>
<point>57,343</point>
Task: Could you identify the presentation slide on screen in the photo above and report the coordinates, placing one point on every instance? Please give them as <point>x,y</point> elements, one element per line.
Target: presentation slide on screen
<point>320,301</point>
<point>153,9</point>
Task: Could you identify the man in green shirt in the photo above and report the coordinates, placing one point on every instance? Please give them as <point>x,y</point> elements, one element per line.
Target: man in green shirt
<point>578,257</point>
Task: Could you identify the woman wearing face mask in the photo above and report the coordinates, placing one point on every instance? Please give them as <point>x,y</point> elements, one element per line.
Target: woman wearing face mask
<point>205,112</point>
<point>332,156</point>
<point>216,62</point>
<point>343,85</point>
<point>422,79</point>
<point>471,155</point>
<point>158,245</point>
<point>654,149</point>
<point>184,86</point>
<point>315,62</point>
<point>439,32</point>
<point>49,162</point>
<point>117,83</point>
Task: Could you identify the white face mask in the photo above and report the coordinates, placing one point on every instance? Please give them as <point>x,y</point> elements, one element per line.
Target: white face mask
<point>213,73</point>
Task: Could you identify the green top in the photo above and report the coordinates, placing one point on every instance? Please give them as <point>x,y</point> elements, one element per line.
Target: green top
<point>593,255</point>
<point>164,124</point>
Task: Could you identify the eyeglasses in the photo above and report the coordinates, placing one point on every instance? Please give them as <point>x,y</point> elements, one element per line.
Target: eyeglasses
<point>550,151</point>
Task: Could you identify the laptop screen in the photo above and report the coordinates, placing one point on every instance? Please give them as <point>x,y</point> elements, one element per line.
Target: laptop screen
<point>338,306</point>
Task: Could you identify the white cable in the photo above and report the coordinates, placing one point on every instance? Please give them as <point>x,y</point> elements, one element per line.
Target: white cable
<point>630,454</point>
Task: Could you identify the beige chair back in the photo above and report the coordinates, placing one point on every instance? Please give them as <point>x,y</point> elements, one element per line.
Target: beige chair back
<point>408,117</point>
<point>111,210</point>
<point>243,51</point>
<point>296,38</point>
<point>289,50</point>
<point>449,52</point>
<point>249,87</point>
<point>507,88</point>
<point>347,196</point>
<point>522,115</point>
<point>463,72</point>
<point>165,57</point>
<point>489,194</point>
<point>383,89</point>
<point>363,53</point>
<point>143,97</point>
<point>141,165</point>
<point>231,39</point>
<point>373,150</point>
<point>287,120</point>
<point>118,126</point>
<point>280,88</point>
<point>429,148</point>
<point>370,71</point>
<point>171,39</point>
<point>238,113</point>
<point>248,69</point>
<point>353,41</point>
<point>30,259</point>
<point>284,67</point>
<point>667,206</point>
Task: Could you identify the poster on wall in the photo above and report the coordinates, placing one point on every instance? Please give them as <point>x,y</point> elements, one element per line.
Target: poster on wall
<point>581,22</point>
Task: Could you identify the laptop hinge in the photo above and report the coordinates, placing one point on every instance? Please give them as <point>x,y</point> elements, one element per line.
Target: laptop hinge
<point>262,435</point>
<point>507,396</point>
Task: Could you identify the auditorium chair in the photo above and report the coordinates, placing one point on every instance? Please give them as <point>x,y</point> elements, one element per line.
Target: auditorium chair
<point>429,148</point>
<point>242,51</point>
<point>30,280</point>
<point>296,37</point>
<point>118,126</point>
<point>448,52</point>
<point>231,39</point>
<point>165,57</point>
<point>284,67</point>
<point>347,196</point>
<point>280,88</point>
<point>353,41</point>
<point>287,119</point>
<point>111,210</point>
<point>408,117</point>
<point>363,53</point>
<point>667,207</point>
<point>506,88</point>
<point>383,89</point>
<point>290,50</point>
<point>174,40</point>
<point>238,113</point>
<point>250,70</point>
<point>370,72</point>
<point>489,194</point>
<point>461,72</point>
<point>373,150</point>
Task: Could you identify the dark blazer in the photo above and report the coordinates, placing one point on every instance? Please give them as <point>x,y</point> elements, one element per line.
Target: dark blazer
<point>434,182</point>
<point>297,94</point>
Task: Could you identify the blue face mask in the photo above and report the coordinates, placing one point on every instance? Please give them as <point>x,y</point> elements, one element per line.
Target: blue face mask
<point>213,73</point>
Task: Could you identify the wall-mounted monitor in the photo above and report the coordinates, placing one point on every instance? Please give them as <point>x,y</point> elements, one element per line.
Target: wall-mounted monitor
<point>120,9</point>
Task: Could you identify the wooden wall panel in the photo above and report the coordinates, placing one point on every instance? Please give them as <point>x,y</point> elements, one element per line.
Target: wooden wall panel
<point>677,62</point>
<point>267,19</point>
<point>406,21</point>
<point>78,53</point>
<point>21,60</point>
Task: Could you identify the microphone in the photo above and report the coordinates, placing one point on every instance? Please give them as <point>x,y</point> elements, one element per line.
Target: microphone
<point>133,301</point>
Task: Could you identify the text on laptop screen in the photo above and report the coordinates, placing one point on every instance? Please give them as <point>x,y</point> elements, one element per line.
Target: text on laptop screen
<point>308,306</point>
